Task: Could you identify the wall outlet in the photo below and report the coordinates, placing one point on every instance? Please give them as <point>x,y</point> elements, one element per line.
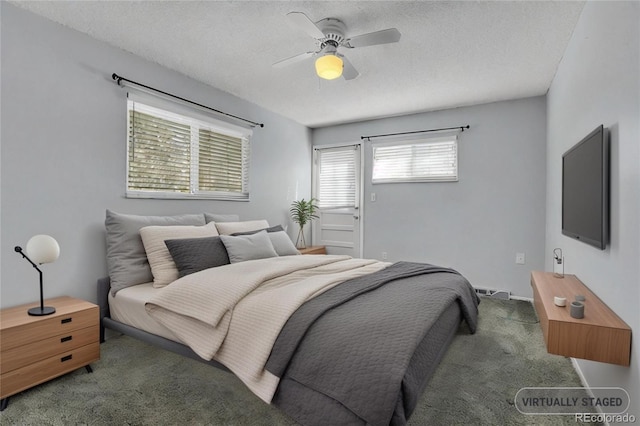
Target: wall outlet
<point>520,258</point>
<point>384,255</point>
<point>373,196</point>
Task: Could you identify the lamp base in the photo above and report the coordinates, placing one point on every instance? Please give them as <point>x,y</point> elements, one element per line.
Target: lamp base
<point>38,312</point>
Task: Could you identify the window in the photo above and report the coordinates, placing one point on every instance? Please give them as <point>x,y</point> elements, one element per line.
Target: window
<point>337,177</point>
<point>184,155</point>
<point>425,160</point>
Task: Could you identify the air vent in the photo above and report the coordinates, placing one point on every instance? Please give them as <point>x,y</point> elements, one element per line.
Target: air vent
<point>496,294</point>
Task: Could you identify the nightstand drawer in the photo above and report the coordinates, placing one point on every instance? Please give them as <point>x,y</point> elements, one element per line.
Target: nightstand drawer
<point>39,328</point>
<point>23,378</point>
<point>12,359</point>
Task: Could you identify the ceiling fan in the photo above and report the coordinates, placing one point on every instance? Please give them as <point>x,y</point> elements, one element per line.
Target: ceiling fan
<point>330,35</point>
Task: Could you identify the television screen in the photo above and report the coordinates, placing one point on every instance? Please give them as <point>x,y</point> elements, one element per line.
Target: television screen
<point>585,190</point>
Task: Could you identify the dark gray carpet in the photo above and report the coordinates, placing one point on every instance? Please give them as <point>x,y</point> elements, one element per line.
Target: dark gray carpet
<point>136,384</point>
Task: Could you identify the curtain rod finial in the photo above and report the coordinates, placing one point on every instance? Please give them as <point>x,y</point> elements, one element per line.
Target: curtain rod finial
<point>116,78</point>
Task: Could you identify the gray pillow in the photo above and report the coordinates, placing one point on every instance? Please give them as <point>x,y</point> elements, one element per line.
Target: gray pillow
<point>230,228</point>
<point>126,259</point>
<point>248,247</point>
<point>196,254</point>
<point>282,243</point>
<point>271,229</point>
<point>280,240</point>
<point>215,217</point>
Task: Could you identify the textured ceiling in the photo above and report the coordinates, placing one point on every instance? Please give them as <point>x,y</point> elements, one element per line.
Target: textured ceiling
<point>451,53</point>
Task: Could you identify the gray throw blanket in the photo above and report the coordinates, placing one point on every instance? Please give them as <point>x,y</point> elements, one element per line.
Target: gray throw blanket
<point>352,345</point>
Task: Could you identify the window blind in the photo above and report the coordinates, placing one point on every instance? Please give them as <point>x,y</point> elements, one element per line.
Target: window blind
<point>171,155</point>
<point>222,160</point>
<point>159,154</point>
<point>337,177</point>
<point>431,160</point>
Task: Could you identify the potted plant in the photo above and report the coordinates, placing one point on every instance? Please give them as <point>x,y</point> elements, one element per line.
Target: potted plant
<point>303,212</point>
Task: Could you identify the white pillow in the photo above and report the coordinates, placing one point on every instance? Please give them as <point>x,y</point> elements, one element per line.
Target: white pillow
<point>228,228</point>
<point>248,247</point>
<point>163,267</point>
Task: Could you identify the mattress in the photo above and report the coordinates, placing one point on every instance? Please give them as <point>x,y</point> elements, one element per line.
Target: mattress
<point>127,307</point>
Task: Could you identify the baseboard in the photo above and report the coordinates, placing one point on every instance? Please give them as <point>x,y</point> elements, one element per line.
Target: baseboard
<point>524,299</point>
<point>576,367</point>
<point>585,384</point>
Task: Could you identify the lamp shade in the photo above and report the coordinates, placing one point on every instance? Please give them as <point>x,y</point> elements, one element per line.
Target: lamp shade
<point>329,67</point>
<point>43,249</point>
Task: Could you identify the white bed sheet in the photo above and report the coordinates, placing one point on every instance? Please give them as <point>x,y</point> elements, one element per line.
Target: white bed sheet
<point>127,307</point>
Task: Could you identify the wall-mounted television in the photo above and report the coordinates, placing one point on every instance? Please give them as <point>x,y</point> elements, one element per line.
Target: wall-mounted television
<point>585,189</point>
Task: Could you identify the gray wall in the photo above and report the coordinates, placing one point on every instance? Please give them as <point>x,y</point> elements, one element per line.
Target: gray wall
<point>476,225</point>
<point>598,83</point>
<point>63,152</point>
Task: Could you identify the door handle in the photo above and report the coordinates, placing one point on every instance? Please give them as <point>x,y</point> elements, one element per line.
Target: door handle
<point>356,217</point>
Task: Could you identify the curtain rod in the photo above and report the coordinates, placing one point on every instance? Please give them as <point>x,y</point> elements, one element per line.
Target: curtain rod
<point>417,131</point>
<point>118,79</point>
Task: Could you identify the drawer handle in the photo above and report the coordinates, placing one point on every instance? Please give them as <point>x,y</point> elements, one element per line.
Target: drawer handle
<point>66,339</point>
<point>66,358</point>
<point>66,320</point>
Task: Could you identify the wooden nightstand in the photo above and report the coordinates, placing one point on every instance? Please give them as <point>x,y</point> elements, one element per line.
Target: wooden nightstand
<point>34,349</point>
<point>313,250</point>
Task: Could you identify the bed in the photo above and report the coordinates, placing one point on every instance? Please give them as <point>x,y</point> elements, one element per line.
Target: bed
<point>322,337</point>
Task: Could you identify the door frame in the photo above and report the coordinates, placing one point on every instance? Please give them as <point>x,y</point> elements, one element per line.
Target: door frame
<point>314,187</point>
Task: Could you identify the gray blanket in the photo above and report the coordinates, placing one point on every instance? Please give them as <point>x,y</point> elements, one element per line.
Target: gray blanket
<point>352,345</point>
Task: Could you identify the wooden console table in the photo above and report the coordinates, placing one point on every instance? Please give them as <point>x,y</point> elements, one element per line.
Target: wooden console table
<point>600,336</point>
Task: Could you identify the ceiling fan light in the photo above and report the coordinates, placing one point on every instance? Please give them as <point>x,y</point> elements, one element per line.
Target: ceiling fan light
<point>329,67</point>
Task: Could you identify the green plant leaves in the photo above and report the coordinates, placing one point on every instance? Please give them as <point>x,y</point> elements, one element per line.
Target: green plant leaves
<point>303,212</point>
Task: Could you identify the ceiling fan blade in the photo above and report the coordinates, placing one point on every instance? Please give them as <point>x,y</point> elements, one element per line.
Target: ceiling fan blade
<point>303,22</point>
<point>293,59</point>
<point>348,71</point>
<point>391,35</point>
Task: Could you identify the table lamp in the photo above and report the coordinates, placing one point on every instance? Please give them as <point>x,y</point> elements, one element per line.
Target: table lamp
<point>40,249</point>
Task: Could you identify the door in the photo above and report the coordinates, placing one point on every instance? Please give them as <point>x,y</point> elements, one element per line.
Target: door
<point>336,185</point>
